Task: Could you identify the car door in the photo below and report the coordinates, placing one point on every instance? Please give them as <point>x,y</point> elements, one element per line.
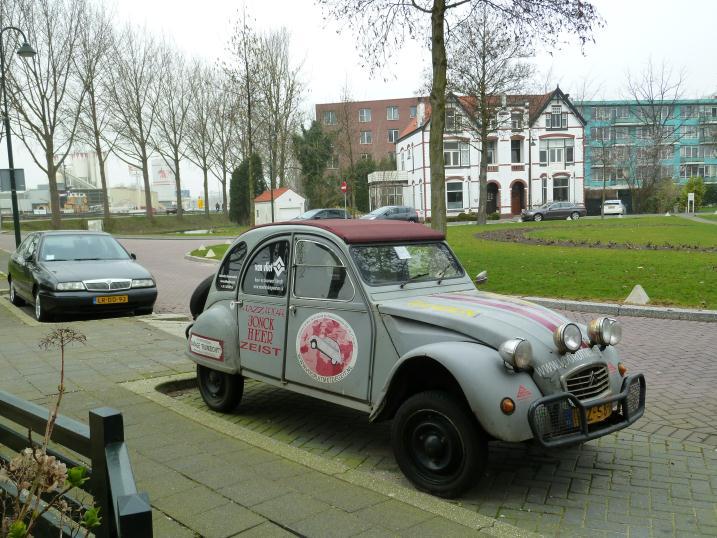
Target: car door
<point>261,308</point>
<point>16,263</point>
<point>329,338</point>
<point>27,265</point>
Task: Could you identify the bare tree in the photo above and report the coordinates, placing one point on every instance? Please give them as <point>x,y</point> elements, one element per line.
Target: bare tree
<point>133,96</point>
<point>485,64</point>
<point>93,64</point>
<point>382,26</point>
<point>225,156</point>
<point>45,92</point>
<point>201,133</point>
<point>243,66</point>
<point>169,139</point>
<point>346,136</point>
<point>655,91</point>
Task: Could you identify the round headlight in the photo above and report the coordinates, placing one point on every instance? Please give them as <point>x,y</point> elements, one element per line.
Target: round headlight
<point>516,352</point>
<point>604,331</point>
<point>568,337</point>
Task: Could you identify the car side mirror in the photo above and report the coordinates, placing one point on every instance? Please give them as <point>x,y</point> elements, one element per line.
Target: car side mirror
<point>28,257</point>
<point>133,255</point>
<point>481,278</point>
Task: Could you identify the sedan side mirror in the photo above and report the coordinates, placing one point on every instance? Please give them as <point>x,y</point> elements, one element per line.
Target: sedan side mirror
<point>481,278</point>
<point>133,255</point>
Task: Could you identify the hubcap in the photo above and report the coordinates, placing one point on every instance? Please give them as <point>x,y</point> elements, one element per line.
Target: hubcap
<point>215,383</point>
<point>38,308</point>
<point>435,446</point>
<point>12,291</point>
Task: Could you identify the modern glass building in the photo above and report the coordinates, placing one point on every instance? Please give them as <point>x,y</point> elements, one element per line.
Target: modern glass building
<point>627,142</point>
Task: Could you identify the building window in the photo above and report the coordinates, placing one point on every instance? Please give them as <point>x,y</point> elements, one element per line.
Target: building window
<point>516,147</point>
<point>364,115</point>
<point>364,156</point>
<point>492,151</point>
<point>456,154</point>
<point>392,113</point>
<point>544,183</point>
<point>454,119</point>
<point>403,160</point>
<point>557,151</point>
<point>560,188</point>
<point>333,162</point>
<point>412,111</point>
<point>556,119</point>
<point>688,131</point>
<point>705,171</point>
<point>454,195</point>
<point>365,137</point>
<point>392,135</point>
<point>516,120</point>
<point>329,117</point>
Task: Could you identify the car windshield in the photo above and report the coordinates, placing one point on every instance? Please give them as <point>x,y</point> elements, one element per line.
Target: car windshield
<point>81,247</point>
<point>308,214</point>
<point>379,211</point>
<point>381,265</point>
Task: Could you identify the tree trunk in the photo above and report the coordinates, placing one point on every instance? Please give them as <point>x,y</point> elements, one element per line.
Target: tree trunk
<point>178,186</point>
<point>100,157</point>
<point>438,117</point>
<point>602,205</point>
<point>147,191</point>
<point>206,189</point>
<point>225,208</point>
<point>483,170</point>
<point>52,183</point>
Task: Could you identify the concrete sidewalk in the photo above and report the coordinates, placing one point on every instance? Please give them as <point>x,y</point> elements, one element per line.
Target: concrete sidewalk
<point>202,482</point>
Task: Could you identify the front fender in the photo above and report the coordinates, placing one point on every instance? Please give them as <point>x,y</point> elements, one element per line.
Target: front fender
<point>485,381</point>
<point>211,340</point>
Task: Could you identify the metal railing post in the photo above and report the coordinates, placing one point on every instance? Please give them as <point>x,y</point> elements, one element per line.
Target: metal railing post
<point>106,426</point>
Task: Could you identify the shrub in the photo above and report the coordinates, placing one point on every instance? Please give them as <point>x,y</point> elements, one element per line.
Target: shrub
<point>696,185</point>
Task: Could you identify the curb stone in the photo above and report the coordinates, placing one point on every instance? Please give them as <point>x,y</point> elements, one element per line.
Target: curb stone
<point>615,309</point>
<point>417,499</point>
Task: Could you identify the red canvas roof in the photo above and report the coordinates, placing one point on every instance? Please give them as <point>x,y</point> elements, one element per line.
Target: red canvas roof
<point>370,231</point>
<point>266,195</point>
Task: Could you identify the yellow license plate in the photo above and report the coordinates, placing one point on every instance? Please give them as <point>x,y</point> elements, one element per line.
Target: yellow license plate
<point>599,413</point>
<point>111,299</point>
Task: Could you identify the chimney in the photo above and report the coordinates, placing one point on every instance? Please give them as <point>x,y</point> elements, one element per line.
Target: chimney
<point>420,113</point>
<point>503,100</point>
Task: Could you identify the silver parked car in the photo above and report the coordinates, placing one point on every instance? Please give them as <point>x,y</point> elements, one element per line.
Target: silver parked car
<point>381,317</point>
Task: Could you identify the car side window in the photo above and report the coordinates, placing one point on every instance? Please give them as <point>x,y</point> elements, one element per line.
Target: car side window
<point>266,274</point>
<point>31,247</point>
<point>22,249</point>
<point>228,274</point>
<point>320,274</point>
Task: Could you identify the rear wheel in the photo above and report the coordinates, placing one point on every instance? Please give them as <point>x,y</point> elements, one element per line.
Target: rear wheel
<point>538,217</point>
<point>199,297</point>
<point>575,215</point>
<point>438,444</point>
<point>14,297</point>
<point>220,391</point>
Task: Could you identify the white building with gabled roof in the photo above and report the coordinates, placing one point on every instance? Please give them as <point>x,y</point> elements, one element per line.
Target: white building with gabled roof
<point>535,155</point>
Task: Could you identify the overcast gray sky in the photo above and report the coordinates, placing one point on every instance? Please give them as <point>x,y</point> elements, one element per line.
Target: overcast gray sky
<point>679,33</point>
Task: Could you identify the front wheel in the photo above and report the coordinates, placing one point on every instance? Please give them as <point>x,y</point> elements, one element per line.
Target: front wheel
<point>40,310</point>
<point>220,391</point>
<point>14,297</point>
<point>575,215</point>
<point>538,217</point>
<point>438,444</point>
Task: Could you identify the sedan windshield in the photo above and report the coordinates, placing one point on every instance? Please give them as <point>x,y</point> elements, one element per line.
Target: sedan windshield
<point>81,247</point>
<point>307,214</point>
<point>381,265</point>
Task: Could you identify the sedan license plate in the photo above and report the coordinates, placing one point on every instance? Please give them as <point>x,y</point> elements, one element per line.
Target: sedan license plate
<point>111,299</point>
<point>599,413</point>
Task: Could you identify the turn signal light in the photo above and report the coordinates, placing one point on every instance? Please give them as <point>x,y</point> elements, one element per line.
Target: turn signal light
<point>507,406</point>
<point>622,369</point>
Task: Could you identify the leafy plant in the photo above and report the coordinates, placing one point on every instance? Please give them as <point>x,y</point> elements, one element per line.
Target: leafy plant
<point>42,480</point>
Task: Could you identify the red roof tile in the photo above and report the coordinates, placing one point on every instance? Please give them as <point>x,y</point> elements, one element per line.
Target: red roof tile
<point>266,195</point>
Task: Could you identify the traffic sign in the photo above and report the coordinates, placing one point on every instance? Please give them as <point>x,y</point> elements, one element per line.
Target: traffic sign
<point>344,187</point>
<point>5,179</point>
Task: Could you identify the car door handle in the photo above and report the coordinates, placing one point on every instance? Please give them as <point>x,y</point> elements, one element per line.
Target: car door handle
<point>292,309</point>
<point>233,304</point>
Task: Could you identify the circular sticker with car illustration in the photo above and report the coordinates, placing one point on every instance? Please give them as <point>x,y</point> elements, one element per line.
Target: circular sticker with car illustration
<point>326,347</point>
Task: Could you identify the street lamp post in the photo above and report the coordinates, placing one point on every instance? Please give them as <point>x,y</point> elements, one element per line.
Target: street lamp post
<point>25,51</point>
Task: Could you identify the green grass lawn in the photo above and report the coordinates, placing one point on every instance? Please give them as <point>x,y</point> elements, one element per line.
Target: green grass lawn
<point>218,250</point>
<point>674,231</point>
<point>134,225</point>
<point>675,278</point>
<point>710,216</point>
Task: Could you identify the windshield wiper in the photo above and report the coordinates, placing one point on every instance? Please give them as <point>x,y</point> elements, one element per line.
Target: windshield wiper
<point>442,273</point>
<point>86,259</point>
<point>413,278</point>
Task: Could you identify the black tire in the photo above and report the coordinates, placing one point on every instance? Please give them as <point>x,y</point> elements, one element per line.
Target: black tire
<point>575,215</point>
<point>538,217</point>
<point>438,444</point>
<point>41,314</point>
<point>199,297</point>
<point>220,391</point>
<point>14,297</point>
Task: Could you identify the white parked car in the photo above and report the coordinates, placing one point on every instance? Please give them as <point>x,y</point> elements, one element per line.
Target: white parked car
<point>614,207</point>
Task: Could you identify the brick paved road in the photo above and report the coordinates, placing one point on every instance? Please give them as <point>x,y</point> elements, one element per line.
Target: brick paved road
<point>176,277</point>
<point>659,478</point>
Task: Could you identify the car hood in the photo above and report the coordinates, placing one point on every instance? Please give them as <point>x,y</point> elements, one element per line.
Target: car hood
<point>485,317</point>
<point>71,271</point>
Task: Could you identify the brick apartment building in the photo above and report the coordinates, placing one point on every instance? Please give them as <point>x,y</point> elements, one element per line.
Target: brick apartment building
<point>372,127</point>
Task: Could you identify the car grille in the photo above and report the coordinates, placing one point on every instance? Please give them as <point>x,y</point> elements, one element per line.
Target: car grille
<point>108,284</point>
<point>588,382</point>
